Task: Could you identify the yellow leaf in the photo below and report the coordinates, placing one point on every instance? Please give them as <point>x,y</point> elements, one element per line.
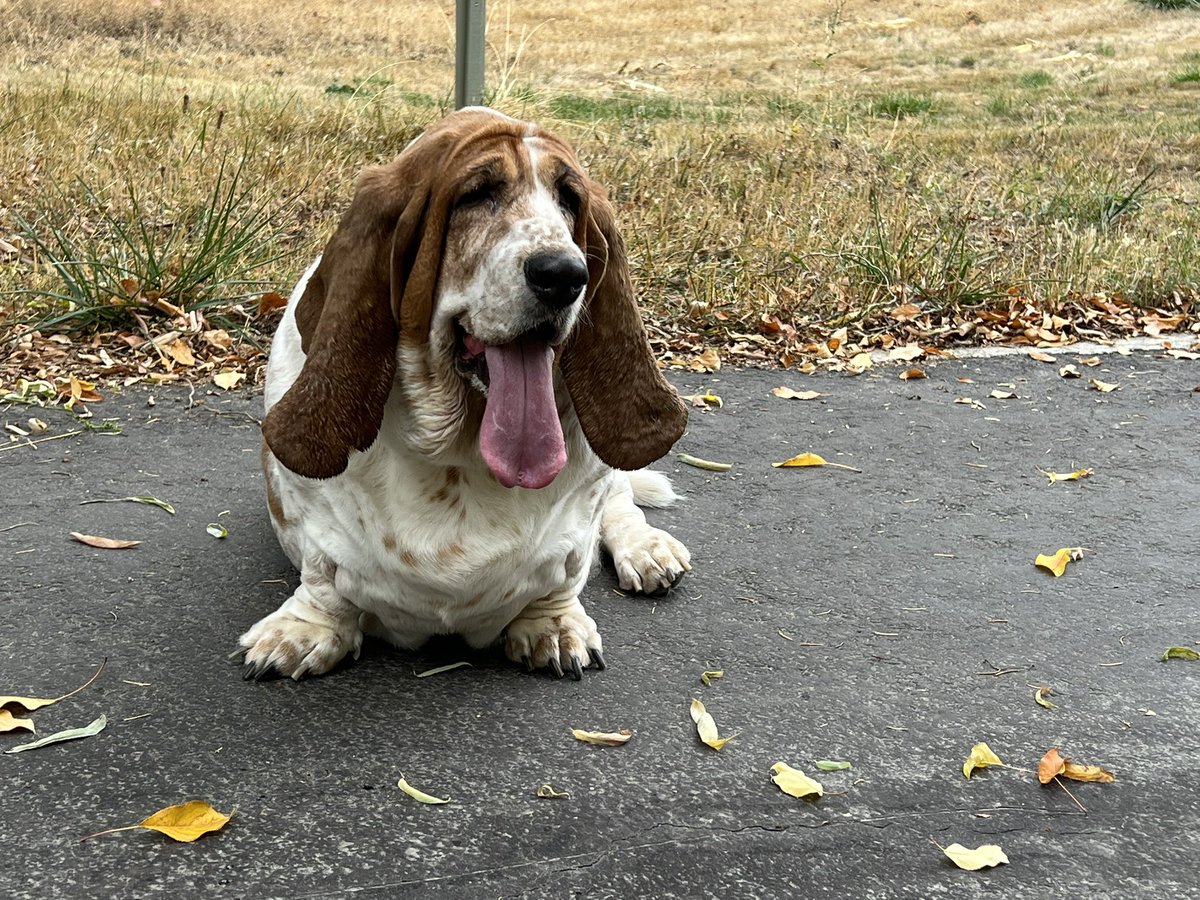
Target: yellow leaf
<point>1056,563</point>
<point>980,857</point>
<point>228,380</point>
<point>1039,697</point>
<point>704,401</point>
<point>794,782</point>
<point>1180,653</point>
<point>811,459</point>
<point>712,675</point>
<point>1103,386</point>
<point>981,757</point>
<point>29,704</point>
<point>419,796</point>
<point>8,722</point>
<point>104,543</point>
<point>179,351</point>
<point>688,460</point>
<point>788,394</point>
<point>187,821</point>
<point>604,738</point>
<point>1076,772</point>
<point>706,727</point>
<point>1069,476</point>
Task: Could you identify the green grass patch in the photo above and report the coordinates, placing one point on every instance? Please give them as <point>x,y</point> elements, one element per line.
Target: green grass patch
<point>627,107</point>
<point>1036,80</point>
<point>1189,76</point>
<point>901,106</point>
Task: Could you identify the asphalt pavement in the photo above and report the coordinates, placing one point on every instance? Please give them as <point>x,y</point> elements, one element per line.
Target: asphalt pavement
<point>890,617</point>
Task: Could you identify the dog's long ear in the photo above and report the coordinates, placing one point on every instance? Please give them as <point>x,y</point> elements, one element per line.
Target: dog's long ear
<point>349,319</point>
<point>630,414</point>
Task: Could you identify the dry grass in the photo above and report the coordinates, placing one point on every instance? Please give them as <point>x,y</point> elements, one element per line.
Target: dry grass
<point>821,166</point>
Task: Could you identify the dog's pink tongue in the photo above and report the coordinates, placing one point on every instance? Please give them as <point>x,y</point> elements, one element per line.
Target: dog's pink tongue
<point>521,439</point>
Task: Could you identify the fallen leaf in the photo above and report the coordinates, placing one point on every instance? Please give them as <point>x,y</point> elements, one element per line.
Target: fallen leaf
<point>906,353</point>
<point>440,669</point>
<point>184,822</point>
<point>1183,354</point>
<point>788,394</point>
<point>1042,357</point>
<point>1069,371</point>
<point>419,796</point>
<point>29,704</point>
<point>37,426</point>
<point>217,530</point>
<point>228,379</point>
<point>179,351</point>
<point>804,460</point>
<point>103,543</point>
<point>1039,697</point>
<point>547,792</point>
<point>912,374</point>
<point>981,857</point>
<point>981,757</point>
<point>1076,772</point>
<point>705,401</point>
<point>706,728</point>
<point>795,783</point>
<point>271,301</point>
<point>859,363</point>
<point>1002,395</point>
<point>905,312</point>
<point>71,734</point>
<point>9,722</point>
<point>150,501</point>
<point>970,401</point>
<point>708,361</point>
<point>712,675</point>
<point>604,738</point>
<point>966,380</point>
<point>688,460</point>
<point>1070,476</point>
<point>1058,562</point>
<point>832,765</point>
<point>1103,386</point>
<point>1050,765</point>
<point>1090,361</point>
<point>1180,653</point>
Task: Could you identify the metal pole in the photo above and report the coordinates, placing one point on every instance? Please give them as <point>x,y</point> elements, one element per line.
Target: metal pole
<point>470,19</point>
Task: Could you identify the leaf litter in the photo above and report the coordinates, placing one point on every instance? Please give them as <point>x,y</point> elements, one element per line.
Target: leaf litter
<point>104,543</point>
<point>71,734</point>
<point>29,704</point>
<point>603,738</point>
<point>981,757</point>
<point>706,726</point>
<point>419,795</point>
<point>184,822</point>
<point>795,783</point>
<point>805,460</point>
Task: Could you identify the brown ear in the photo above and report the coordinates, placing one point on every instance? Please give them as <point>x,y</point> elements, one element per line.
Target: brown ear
<point>630,414</point>
<point>348,324</point>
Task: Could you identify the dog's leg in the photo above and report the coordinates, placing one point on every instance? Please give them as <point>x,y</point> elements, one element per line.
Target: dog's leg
<point>648,560</point>
<point>309,634</point>
<point>556,633</point>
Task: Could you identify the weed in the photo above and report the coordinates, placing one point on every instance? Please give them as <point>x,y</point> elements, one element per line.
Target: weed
<point>1186,77</point>
<point>900,106</point>
<point>1172,4</point>
<point>1036,80</point>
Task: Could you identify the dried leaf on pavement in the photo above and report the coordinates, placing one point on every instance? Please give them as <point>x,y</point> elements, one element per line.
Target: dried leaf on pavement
<point>980,758</point>
<point>184,822</point>
<point>547,792</point>
<point>1180,653</point>
<point>604,738</point>
<point>788,394</point>
<point>912,374</point>
<point>804,460</point>
<point>1103,387</point>
<point>1050,765</point>
<point>1058,562</point>
<point>29,704</point>
<point>1076,772</point>
<point>1039,697</point>
<point>1042,357</point>
<point>794,782</point>
<point>711,675</point>
<point>832,765</point>
<point>227,379</point>
<point>981,857</point>
<point>1069,371</point>
<point>706,727</point>
<point>217,530</point>
<point>148,500</point>
<point>1003,395</point>
<point>418,795</point>
<point>1056,477</point>
<point>71,734</point>
<point>9,722</point>
<point>104,543</point>
<point>696,462</point>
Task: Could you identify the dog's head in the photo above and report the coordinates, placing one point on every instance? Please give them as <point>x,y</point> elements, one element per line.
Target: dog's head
<point>467,271</point>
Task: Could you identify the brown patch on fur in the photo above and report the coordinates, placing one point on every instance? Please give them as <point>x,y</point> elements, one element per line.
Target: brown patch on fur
<point>453,475</point>
<point>453,551</point>
<point>408,559</point>
<point>274,504</point>
<point>389,542</point>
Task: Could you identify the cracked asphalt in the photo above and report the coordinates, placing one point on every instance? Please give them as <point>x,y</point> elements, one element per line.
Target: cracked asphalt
<point>891,618</point>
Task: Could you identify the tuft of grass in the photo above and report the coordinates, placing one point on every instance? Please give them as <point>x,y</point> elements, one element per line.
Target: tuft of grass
<point>901,106</point>
<point>1186,77</point>
<point>1036,80</point>
<point>1097,200</point>
<point>1171,4</point>
<point>115,258</point>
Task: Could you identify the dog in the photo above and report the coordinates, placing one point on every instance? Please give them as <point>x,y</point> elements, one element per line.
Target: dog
<point>460,403</point>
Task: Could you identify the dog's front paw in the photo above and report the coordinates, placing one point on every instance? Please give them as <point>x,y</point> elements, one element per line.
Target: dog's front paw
<point>296,646</point>
<point>558,636</point>
<point>649,561</point>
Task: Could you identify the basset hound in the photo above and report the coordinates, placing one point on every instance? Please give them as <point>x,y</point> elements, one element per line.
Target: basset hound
<point>460,402</point>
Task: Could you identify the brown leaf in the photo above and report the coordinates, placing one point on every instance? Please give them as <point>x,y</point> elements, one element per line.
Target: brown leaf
<point>179,351</point>
<point>271,301</point>
<point>907,353</point>
<point>788,394</point>
<point>102,542</point>
<point>1076,772</point>
<point>1051,764</point>
<point>1042,357</point>
<point>9,722</point>
<point>604,738</point>
<point>1103,387</point>
<point>912,374</point>
<point>1003,395</point>
<point>906,312</point>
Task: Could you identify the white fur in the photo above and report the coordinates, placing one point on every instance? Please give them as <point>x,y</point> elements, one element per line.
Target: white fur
<point>391,547</point>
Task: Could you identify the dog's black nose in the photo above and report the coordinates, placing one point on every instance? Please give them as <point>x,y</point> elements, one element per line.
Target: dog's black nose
<point>556,278</point>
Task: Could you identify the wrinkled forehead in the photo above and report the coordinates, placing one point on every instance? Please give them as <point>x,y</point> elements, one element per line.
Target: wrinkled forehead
<point>523,160</point>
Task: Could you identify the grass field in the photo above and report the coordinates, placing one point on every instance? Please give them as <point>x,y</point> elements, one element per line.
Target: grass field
<point>820,163</point>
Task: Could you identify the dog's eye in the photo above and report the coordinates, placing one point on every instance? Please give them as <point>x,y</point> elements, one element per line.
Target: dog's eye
<point>480,195</point>
<point>569,199</point>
